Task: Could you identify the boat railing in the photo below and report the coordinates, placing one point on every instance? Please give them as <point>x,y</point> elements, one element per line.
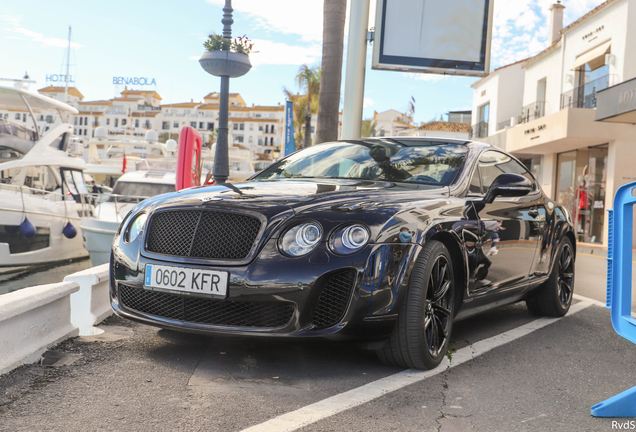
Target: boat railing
<point>85,203</point>
<point>119,201</point>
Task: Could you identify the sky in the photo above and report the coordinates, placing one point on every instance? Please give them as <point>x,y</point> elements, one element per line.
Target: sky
<point>163,39</point>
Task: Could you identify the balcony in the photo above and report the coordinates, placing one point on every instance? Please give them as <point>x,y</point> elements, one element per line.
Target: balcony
<point>479,130</point>
<point>532,111</point>
<point>585,96</point>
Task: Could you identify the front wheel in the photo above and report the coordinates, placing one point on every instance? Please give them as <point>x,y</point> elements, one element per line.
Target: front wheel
<point>554,297</point>
<point>422,334</point>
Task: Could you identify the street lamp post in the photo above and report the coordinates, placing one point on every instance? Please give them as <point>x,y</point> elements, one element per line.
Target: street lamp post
<point>221,158</point>
<point>225,64</point>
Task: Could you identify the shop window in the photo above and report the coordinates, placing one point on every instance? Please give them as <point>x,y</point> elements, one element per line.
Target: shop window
<point>580,188</point>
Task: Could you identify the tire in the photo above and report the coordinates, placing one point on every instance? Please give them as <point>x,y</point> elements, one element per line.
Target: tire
<point>554,297</point>
<point>422,333</point>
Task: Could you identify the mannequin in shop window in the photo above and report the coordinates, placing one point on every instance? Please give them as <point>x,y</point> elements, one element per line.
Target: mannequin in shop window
<point>582,204</point>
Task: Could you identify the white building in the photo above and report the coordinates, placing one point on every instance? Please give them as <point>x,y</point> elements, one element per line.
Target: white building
<point>580,156</point>
<point>391,122</point>
<point>259,129</point>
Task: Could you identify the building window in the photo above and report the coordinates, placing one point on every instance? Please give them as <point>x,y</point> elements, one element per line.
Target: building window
<point>271,141</point>
<point>75,121</point>
<point>81,121</point>
<point>271,129</point>
<point>107,121</point>
<point>260,141</point>
<point>116,122</point>
<point>239,138</point>
<point>165,125</point>
<point>49,119</point>
<point>193,124</point>
<point>85,121</point>
<point>136,123</point>
<point>123,122</point>
<point>312,129</point>
<point>266,128</point>
<point>200,125</point>
<point>175,124</point>
<point>147,124</point>
<point>210,126</point>
<point>41,117</point>
<point>242,126</point>
<point>235,126</point>
<point>260,128</point>
<point>17,116</point>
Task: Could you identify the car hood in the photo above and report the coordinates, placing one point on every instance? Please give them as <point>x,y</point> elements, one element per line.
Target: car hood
<point>301,195</point>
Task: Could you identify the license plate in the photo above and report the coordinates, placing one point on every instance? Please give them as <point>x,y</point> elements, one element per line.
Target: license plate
<point>185,279</point>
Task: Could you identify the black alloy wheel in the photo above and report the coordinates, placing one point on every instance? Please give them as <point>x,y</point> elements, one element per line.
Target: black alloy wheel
<point>422,333</point>
<point>437,314</point>
<point>565,280</point>
<point>554,296</point>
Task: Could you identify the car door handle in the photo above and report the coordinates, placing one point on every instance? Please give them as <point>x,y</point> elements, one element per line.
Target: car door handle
<point>534,212</point>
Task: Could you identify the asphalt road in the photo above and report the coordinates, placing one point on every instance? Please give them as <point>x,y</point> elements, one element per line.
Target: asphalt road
<point>139,378</point>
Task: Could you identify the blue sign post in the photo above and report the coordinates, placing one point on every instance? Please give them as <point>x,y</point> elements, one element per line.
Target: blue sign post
<point>619,291</point>
<point>290,141</point>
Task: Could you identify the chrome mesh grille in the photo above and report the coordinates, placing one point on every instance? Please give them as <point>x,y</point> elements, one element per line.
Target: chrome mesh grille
<point>203,234</point>
<point>198,310</point>
<point>334,299</point>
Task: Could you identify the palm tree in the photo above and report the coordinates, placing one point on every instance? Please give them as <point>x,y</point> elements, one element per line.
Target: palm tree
<point>368,128</point>
<point>308,79</point>
<point>332,39</point>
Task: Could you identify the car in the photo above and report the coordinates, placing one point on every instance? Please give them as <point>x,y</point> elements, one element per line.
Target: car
<point>384,241</point>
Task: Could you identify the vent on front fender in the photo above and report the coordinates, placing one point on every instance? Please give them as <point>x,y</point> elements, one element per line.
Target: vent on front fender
<point>334,299</point>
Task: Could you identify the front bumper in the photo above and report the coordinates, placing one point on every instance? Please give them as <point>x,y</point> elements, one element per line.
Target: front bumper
<point>318,295</point>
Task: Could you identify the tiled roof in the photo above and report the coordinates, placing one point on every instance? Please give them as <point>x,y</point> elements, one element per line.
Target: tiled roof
<point>182,105</point>
<point>125,99</point>
<point>98,102</point>
<point>445,126</point>
<point>146,114</point>
<point>584,17</point>
<point>71,90</point>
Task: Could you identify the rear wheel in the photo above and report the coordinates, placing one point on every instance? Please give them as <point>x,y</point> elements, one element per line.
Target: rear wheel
<point>554,297</point>
<point>421,336</point>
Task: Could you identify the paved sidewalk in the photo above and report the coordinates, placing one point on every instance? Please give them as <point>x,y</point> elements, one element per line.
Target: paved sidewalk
<point>155,380</point>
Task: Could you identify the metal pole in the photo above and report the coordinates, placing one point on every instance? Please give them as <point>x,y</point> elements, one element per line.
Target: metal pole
<point>221,158</point>
<point>354,75</point>
<point>68,60</point>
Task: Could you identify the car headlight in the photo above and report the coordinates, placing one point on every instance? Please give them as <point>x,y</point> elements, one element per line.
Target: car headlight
<point>301,239</point>
<point>136,227</point>
<point>350,239</point>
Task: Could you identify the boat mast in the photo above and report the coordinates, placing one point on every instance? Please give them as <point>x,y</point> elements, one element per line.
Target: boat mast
<point>68,61</point>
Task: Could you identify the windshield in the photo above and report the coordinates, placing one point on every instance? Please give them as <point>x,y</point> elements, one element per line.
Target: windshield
<point>435,164</point>
<point>140,190</point>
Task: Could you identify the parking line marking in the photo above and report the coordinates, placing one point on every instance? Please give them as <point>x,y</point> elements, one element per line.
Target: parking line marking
<point>335,404</point>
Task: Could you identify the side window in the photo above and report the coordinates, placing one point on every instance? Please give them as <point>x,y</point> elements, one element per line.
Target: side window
<point>475,183</point>
<point>493,163</point>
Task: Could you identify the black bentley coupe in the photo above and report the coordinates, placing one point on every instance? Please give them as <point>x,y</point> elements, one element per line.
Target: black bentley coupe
<point>383,240</point>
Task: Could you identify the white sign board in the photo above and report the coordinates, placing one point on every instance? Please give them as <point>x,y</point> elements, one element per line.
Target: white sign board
<point>433,36</point>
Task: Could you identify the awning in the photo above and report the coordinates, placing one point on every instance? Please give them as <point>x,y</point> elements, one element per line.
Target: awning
<point>594,57</point>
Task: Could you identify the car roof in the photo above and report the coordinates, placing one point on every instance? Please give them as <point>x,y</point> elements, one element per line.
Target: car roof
<point>422,141</point>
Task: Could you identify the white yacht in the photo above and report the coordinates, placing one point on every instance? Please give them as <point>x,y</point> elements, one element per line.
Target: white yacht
<point>105,154</point>
<point>42,189</point>
<point>99,230</point>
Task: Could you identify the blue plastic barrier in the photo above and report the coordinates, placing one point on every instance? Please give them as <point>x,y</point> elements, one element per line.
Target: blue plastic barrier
<point>619,291</point>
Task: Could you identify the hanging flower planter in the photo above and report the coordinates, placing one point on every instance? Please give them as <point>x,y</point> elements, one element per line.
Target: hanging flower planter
<point>225,63</point>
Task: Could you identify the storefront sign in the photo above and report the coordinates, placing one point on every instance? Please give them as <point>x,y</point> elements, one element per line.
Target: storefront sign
<point>535,129</point>
<point>593,32</point>
<point>617,103</point>
<point>134,81</point>
<point>59,78</point>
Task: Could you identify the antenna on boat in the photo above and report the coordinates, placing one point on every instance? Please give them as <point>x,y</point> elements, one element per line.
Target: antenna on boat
<point>68,61</point>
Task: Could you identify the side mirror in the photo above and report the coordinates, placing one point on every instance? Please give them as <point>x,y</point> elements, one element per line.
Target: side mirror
<point>508,185</point>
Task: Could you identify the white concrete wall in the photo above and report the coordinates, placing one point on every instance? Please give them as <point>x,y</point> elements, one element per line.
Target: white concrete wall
<point>91,304</point>
<point>548,67</point>
<point>33,319</point>
<point>509,94</point>
<point>489,85</point>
